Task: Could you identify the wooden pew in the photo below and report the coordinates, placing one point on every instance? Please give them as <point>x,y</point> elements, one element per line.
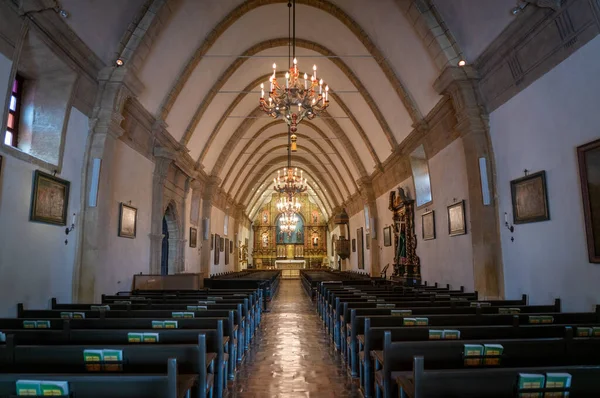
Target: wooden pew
<point>489,383</point>
<point>192,359</point>
<point>169,385</point>
<point>396,359</point>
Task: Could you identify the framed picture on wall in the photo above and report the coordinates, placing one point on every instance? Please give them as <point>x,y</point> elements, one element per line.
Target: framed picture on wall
<point>212,241</point>
<point>230,246</point>
<point>217,249</point>
<point>193,237</point>
<point>589,172</point>
<point>226,251</point>
<point>428,225</point>
<point>50,199</point>
<point>353,245</point>
<point>387,236</point>
<point>360,248</point>
<point>221,244</point>
<point>456,219</point>
<point>530,198</point>
<point>368,241</point>
<point>127,221</point>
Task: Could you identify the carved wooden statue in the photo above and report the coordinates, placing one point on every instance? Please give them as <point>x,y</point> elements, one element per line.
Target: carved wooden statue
<point>407,265</point>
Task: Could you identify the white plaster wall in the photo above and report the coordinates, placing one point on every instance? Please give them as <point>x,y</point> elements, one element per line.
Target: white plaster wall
<point>357,221</point>
<point>35,263</point>
<point>539,129</point>
<point>217,222</point>
<point>447,259</point>
<point>192,254</point>
<point>132,181</point>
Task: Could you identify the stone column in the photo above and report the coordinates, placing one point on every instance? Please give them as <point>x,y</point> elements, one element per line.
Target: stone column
<point>163,158</point>
<point>183,231</point>
<point>460,84</point>
<point>105,130</point>
<point>365,188</point>
<point>210,190</point>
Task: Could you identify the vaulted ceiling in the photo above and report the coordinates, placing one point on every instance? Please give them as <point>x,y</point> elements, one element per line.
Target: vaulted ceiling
<point>203,72</point>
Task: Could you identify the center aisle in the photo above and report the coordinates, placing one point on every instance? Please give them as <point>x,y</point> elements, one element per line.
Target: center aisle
<point>291,355</point>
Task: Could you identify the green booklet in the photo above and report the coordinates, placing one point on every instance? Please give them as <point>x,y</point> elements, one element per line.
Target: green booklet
<point>100,307</point>
<point>123,302</point>
<point>409,321</point>
<point>450,334</point>
<point>596,331</point>
<point>531,381</point>
<point>436,334</point>
<point>150,337</point>
<point>158,324</point>
<point>2,337</point>
<point>177,314</point>
<point>49,388</point>
<point>512,311</point>
<point>42,324</point>
<point>66,315</point>
<point>214,298</point>
<point>422,321</point>
<point>170,324</point>
<point>473,350</point>
<point>205,302</point>
<point>492,350</point>
<point>95,357</point>
<point>583,332</point>
<point>557,380</point>
<point>29,387</point>
<point>134,337</point>
<point>79,315</point>
<point>112,356</point>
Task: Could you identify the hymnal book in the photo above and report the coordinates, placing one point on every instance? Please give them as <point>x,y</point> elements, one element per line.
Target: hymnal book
<point>531,381</point>
<point>170,324</point>
<point>189,315</point>
<point>79,315</point>
<point>492,350</point>
<point>176,314</point>
<point>596,331</point>
<point>49,388</point>
<point>473,350</point>
<point>541,319</point>
<point>150,337</point>
<point>583,332</point>
<point>29,387</point>
<point>207,302</point>
<point>93,356</point>
<point>158,324</point>
<point>28,324</point>
<point>422,321</point>
<point>66,315</point>
<point>42,324</point>
<point>409,321</point>
<point>112,356</point>
<point>511,311</point>
<point>401,312</point>
<point>435,334</point>
<point>192,307</point>
<point>557,380</point>
<point>450,334</point>
<point>135,337</point>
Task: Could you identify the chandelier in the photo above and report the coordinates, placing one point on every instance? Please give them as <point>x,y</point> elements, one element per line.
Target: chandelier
<point>289,182</point>
<point>288,205</point>
<point>298,99</point>
<point>288,222</point>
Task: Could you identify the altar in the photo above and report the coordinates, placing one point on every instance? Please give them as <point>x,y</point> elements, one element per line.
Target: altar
<point>290,264</point>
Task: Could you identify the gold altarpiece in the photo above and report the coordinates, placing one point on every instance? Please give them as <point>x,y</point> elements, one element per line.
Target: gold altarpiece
<point>307,243</point>
<point>407,265</point>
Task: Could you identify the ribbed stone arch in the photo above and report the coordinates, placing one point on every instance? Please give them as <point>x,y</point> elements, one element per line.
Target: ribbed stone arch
<point>318,161</point>
<point>299,162</point>
<point>248,122</point>
<point>322,5</point>
<point>300,146</point>
<point>321,134</point>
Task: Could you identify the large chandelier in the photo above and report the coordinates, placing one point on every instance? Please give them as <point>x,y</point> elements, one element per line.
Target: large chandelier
<point>298,99</point>
<point>289,182</point>
<point>288,222</point>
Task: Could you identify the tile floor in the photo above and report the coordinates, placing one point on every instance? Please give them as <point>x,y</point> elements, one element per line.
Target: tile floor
<point>291,355</point>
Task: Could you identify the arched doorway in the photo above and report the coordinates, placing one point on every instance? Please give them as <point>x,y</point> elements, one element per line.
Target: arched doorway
<point>170,233</point>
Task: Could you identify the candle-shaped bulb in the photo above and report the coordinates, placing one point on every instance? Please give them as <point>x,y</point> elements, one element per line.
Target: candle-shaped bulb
<point>287,75</point>
<point>295,61</point>
<point>274,66</point>
<point>315,68</point>
<point>262,85</point>
<point>326,88</point>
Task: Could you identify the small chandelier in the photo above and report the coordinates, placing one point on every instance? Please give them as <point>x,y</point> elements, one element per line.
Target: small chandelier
<point>289,182</point>
<point>288,222</point>
<point>288,205</point>
<point>299,98</point>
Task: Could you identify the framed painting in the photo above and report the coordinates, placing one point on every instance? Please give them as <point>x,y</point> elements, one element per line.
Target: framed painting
<point>530,198</point>
<point>127,221</point>
<point>368,241</point>
<point>360,248</point>
<point>387,236</point>
<point>49,199</point>
<point>193,237</point>
<point>222,244</point>
<point>226,251</point>
<point>230,246</point>
<point>353,245</point>
<point>456,219</point>
<point>217,249</point>
<point>428,225</point>
<point>589,173</point>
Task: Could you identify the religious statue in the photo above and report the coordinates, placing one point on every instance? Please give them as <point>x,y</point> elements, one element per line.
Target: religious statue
<point>315,217</point>
<point>299,237</point>
<point>265,217</point>
<point>315,241</point>
<point>401,248</point>
<point>265,240</point>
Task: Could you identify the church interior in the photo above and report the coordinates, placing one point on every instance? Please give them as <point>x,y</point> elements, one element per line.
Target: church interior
<point>299,168</point>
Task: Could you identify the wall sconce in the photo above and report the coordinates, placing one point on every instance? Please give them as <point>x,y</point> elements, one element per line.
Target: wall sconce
<point>510,227</point>
<point>72,227</point>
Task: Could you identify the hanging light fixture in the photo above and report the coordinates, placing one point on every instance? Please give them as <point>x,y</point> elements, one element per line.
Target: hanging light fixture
<point>288,205</point>
<point>288,222</point>
<point>301,97</point>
